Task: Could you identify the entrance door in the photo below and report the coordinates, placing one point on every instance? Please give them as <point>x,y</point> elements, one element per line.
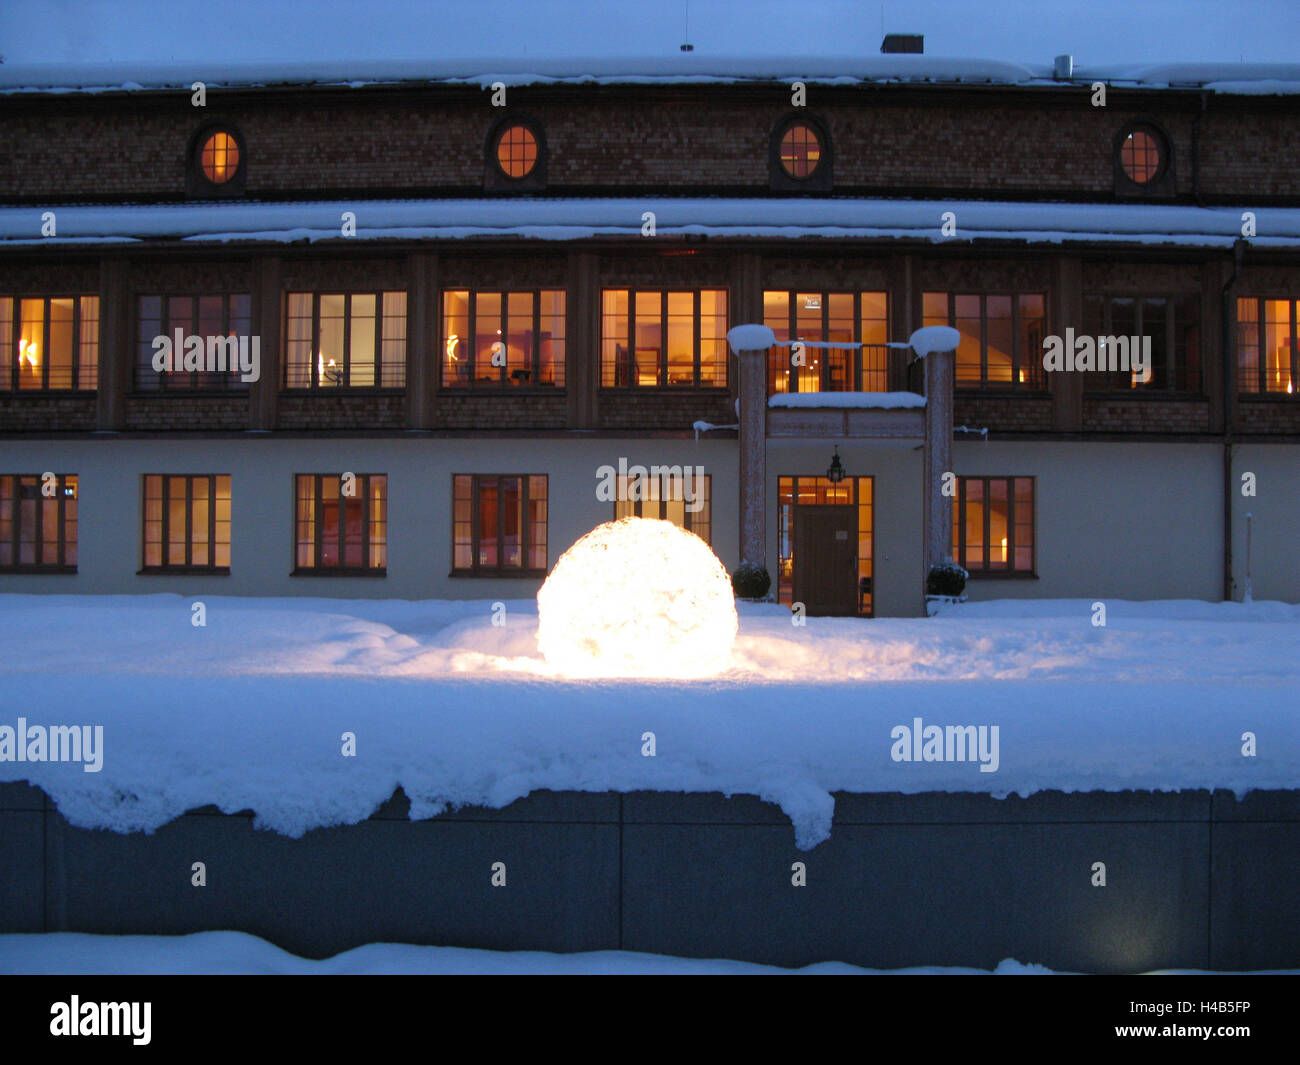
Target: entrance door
<point>826,560</point>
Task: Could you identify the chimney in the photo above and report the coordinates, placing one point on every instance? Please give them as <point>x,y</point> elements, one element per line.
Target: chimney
<point>1063,67</point>
<point>894,43</point>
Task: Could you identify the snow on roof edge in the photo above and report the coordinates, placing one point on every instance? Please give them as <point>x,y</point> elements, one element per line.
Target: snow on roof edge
<point>64,78</point>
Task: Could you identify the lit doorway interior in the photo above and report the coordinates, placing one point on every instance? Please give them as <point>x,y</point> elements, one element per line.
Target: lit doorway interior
<point>836,526</point>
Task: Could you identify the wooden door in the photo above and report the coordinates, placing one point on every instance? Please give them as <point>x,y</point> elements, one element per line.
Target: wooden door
<point>826,560</point>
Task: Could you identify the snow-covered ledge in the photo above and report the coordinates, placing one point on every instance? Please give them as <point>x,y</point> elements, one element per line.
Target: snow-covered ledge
<point>853,400</point>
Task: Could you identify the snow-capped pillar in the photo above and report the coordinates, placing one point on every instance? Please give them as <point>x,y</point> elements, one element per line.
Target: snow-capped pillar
<point>751,343</point>
<point>936,344</point>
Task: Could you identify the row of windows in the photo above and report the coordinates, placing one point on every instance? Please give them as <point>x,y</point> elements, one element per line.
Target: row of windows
<point>800,154</point>
<point>499,522</point>
<point>499,340</point>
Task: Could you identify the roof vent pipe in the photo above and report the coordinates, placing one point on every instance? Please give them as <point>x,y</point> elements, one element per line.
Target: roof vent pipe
<point>1063,67</point>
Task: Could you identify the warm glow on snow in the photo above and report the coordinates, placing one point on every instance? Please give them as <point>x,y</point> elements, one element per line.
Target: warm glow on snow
<point>637,598</point>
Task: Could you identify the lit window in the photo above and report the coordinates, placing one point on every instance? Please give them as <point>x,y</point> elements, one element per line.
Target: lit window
<point>219,157</point>
<point>1001,336</point>
<point>517,151</point>
<point>49,343</point>
<point>503,339</point>
<point>38,523</point>
<point>801,150</point>
<point>993,524</point>
<point>345,340</point>
<point>664,497</point>
<point>341,523</point>
<point>858,320</point>
<point>1139,155</point>
<point>498,525</point>
<point>187,523</point>
<point>1268,346</point>
<point>655,338</point>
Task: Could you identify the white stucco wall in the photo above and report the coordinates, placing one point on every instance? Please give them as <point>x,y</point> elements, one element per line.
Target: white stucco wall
<point>419,474</point>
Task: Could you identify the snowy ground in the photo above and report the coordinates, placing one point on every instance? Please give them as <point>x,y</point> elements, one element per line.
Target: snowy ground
<point>227,953</point>
<point>248,711</point>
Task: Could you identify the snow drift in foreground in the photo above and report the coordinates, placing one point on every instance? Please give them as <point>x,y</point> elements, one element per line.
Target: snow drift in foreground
<point>237,953</point>
<point>249,711</point>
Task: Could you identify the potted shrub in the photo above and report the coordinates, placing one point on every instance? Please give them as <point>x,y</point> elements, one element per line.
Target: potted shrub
<point>945,583</point>
<point>751,581</point>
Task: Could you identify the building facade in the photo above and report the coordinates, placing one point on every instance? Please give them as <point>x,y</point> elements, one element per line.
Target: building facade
<point>413,338</point>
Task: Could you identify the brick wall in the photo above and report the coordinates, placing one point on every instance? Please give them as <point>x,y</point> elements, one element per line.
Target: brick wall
<point>180,413</point>
<point>342,411</point>
<point>1003,414</point>
<point>530,411</point>
<point>1000,143</point>
<point>47,412</point>
<point>1268,415</point>
<point>648,410</point>
<point>1145,414</point>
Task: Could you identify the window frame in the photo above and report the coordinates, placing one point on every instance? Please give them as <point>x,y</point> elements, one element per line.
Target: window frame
<point>780,353</point>
<point>1108,384</point>
<point>495,178</point>
<point>1036,382</point>
<point>526,544</point>
<point>15,484</point>
<point>821,177</point>
<point>502,385</point>
<point>691,521</point>
<point>368,522</point>
<point>314,385</point>
<point>10,345</point>
<point>231,381</point>
<point>787,522</point>
<point>1261,325</point>
<point>662,384</point>
<point>188,566</point>
<point>197,182</point>
<point>959,552</point>
<point>1161,182</point>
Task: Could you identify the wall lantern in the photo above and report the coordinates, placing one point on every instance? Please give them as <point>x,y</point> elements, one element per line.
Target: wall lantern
<point>835,472</point>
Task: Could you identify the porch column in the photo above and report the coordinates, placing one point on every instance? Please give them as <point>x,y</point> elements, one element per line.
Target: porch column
<point>937,519</point>
<point>751,343</point>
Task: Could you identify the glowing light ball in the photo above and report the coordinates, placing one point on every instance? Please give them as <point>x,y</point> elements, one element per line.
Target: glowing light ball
<point>637,597</point>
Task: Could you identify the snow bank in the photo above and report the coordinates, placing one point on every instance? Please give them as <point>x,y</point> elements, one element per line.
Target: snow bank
<point>230,953</point>
<point>237,953</point>
<point>883,400</point>
<point>248,712</point>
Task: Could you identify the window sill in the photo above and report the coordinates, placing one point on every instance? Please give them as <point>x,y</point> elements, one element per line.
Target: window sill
<point>65,570</point>
<point>1001,575</point>
<point>346,390</point>
<point>1001,391</point>
<point>339,571</point>
<point>1147,394</point>
<point>45,393</point>
<point>183,571</point>
<point>501,390</point>
<point>497,574</point>
<point>624,390</point>
<point>240,390</point>
<point>1269,397</point>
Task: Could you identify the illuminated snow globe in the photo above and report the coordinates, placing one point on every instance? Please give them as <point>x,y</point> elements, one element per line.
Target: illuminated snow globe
<point>637,597</point>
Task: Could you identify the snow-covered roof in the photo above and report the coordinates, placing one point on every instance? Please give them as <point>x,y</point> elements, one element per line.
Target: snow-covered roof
<point>572,219</point>
<point>668,69</point>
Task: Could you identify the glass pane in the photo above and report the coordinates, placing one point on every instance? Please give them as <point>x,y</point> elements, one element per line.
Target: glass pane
<point>1277,346</point>
<point>487,521</point>
<point>551,348</point>
<point>998,310</point>
<point>1155,320</point>
<point>681,338</point>
<point>455,346</point>
<point>329,353</point>
<point>615,352</point>
<point>299,358</point>
<point>967,322</point>
<point>512,522</point>
<point>1248,345</point>
<point>31,344</point>
<point>487,335</point>
<point>649,331</point>
<point>519,339</point>
<point>1031,331</point>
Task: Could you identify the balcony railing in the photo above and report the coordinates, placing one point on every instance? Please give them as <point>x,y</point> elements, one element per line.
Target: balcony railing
<point>866,368</point>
